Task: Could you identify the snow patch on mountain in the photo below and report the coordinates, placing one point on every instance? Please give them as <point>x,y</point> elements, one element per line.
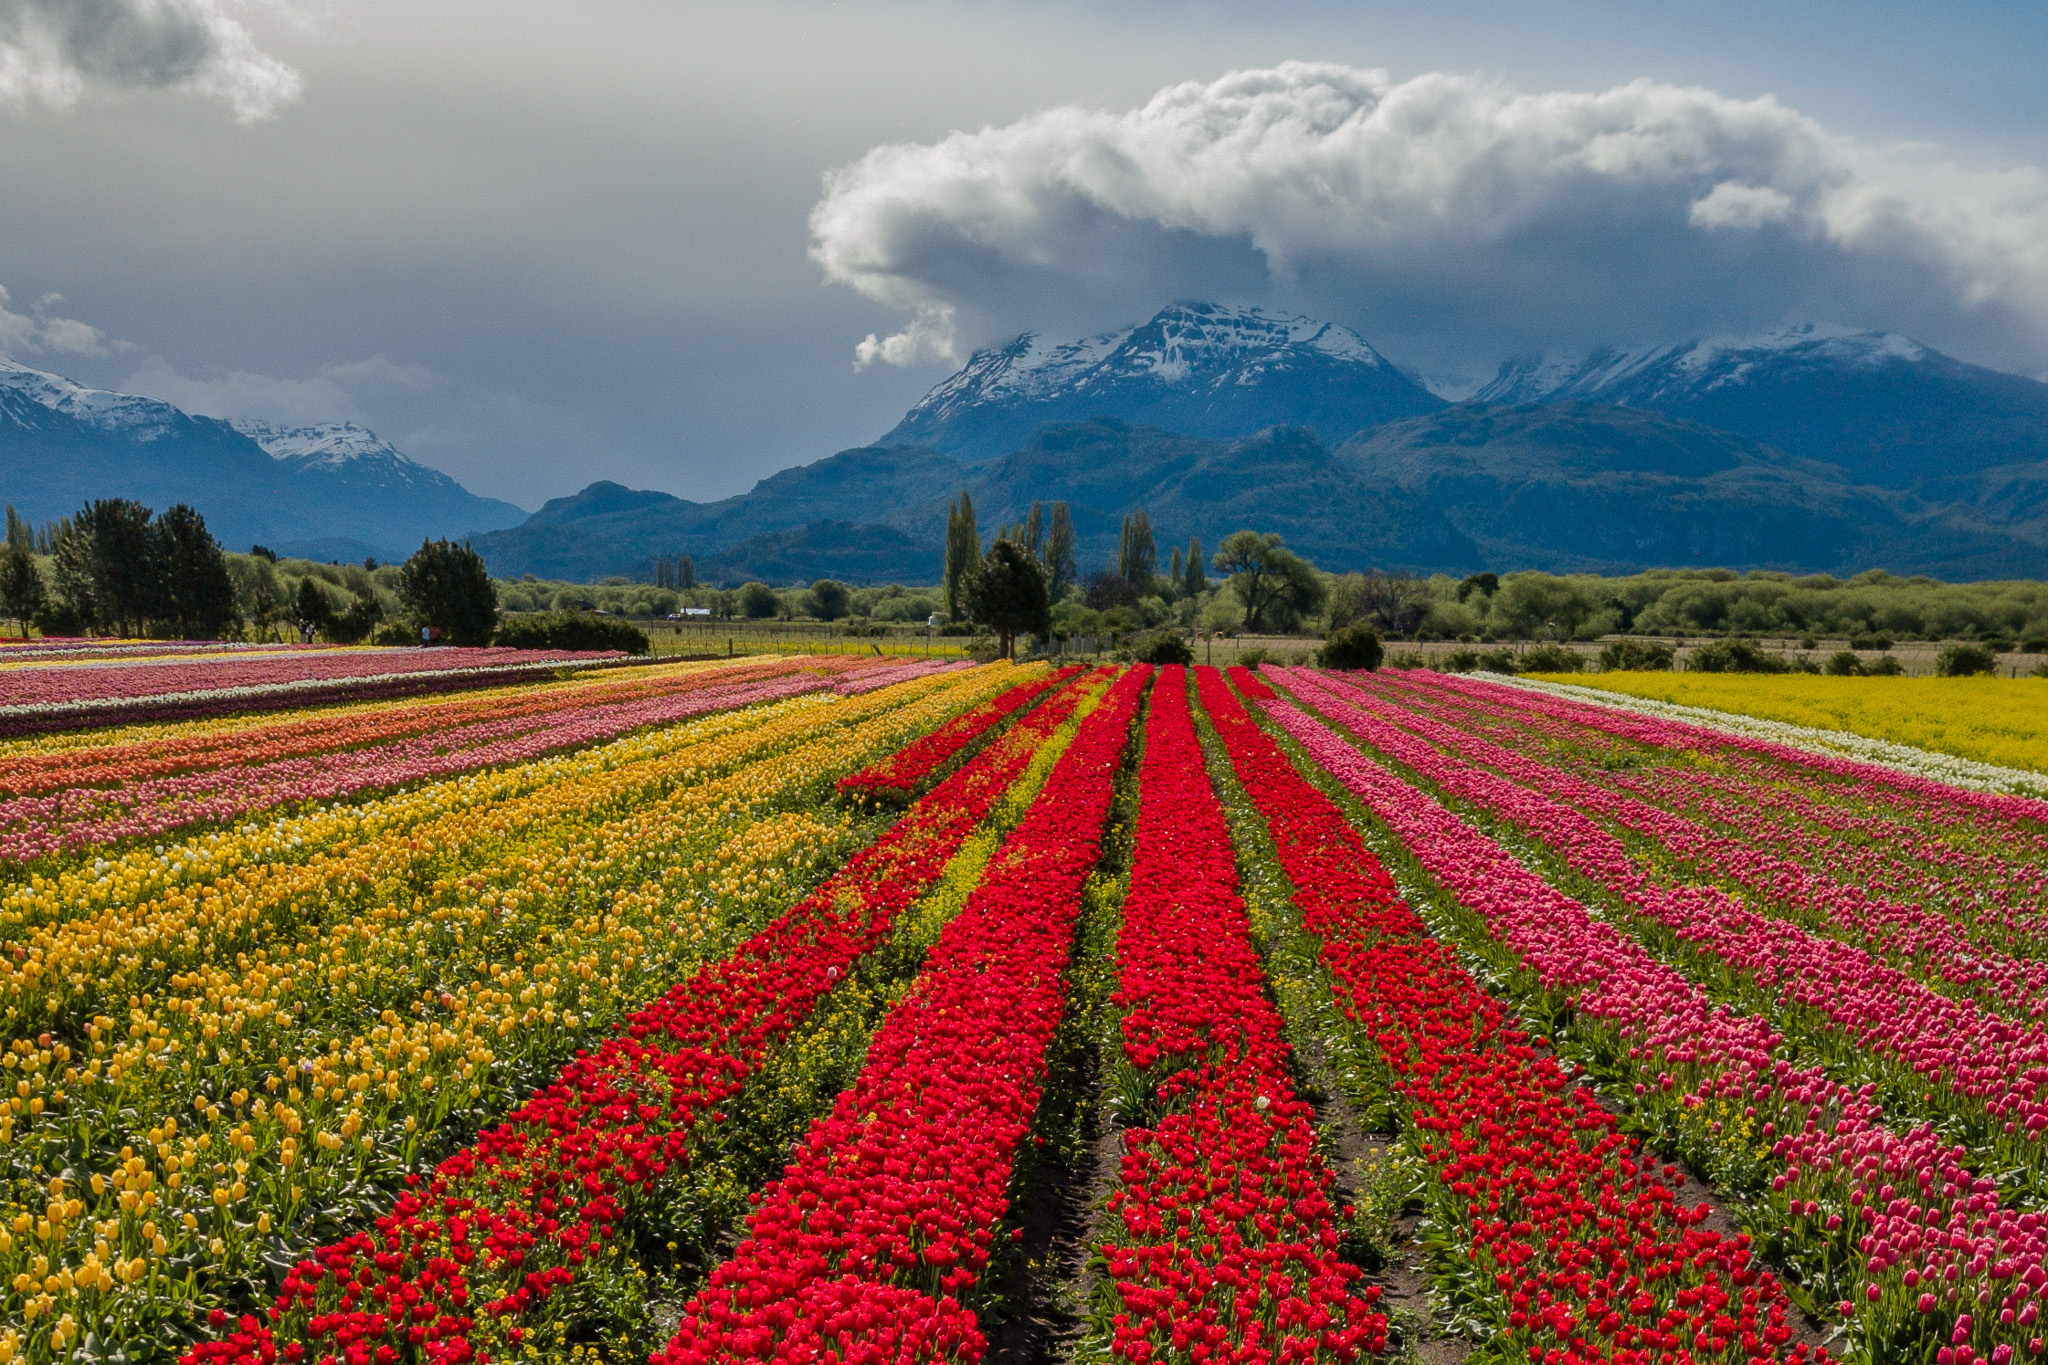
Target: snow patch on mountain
<point>1185,346</point>
<point>139,419</point>
<point>1642,375</point>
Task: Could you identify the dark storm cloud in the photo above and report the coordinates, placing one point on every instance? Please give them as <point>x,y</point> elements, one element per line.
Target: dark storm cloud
<point>55,51</point>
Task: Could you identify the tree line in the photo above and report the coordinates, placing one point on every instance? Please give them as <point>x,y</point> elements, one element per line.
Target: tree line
<point>118,568</point>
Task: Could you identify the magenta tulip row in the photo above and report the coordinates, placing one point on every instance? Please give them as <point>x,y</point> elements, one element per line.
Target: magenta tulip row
<point>1938,1253</point>
<point>1981,870</point>
<point>1987,1062</point>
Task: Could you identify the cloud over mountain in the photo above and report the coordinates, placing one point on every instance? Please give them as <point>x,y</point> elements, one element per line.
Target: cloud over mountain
<point>38,330</point>
<point>56,51</point>
<point>1644,209</point>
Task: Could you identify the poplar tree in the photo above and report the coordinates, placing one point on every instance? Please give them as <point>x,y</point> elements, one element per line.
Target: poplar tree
<point>1059,550</point>
<point>963,553</point>
<point>1137,558</point>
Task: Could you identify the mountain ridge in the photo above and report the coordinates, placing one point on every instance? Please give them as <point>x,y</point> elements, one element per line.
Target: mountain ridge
<point>320,489</point>
<point>1199,368</point>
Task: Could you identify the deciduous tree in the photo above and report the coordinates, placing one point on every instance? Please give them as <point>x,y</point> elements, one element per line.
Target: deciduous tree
<point>445,585</point>
<point>1007,594</point>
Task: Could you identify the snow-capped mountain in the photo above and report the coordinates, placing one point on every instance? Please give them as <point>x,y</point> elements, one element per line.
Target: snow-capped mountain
<point>1884,408</point>
<point>363,460</point>
<point>1199,369</point>
<point>136,418</point>
<point>332,490</point>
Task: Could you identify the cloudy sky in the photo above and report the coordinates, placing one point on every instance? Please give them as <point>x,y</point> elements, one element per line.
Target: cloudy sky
<point>682,245</point>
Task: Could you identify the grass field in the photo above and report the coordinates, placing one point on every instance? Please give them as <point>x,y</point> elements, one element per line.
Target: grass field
<point>1991,720</point>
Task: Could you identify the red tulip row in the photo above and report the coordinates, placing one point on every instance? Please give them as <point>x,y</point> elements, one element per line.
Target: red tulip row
<point>890,1210</point>
<point>1225,1241</point>
<point>904,771</point>
<point>1576,1247</point>
<point>469,1258</point>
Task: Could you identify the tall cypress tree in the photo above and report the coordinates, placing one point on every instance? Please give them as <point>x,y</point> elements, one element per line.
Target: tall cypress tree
<point>1195,581</point>
<point>963,553</point>
<point>1137,558</point>
<point>1059,550</point>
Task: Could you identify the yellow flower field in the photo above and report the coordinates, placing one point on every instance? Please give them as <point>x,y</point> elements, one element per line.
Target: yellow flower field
<point>1990,720</point>
<point>228,1044</point>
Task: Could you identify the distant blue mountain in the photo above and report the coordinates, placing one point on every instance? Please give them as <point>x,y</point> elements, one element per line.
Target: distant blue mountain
<point>1808,448</point>
<point>331,491</point>
<point>1881,408</point>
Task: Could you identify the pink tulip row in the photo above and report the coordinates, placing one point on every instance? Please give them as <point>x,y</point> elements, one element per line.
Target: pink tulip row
<point>125,680</point>
<point>32,826</point>
<point>889,1213</point>
<point>869,677</point>
<point>427,676</point>
<point>474,1255</point>
<point>75,646</point>
<point>1936,944</point>
<point>1989,808</point>
<point>1988,874</point>
<point>1838,995</point>
<point>1933,1252</point>
<point>1224,1234</point>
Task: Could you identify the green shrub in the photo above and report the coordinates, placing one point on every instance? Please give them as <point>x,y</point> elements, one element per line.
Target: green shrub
<point>1352,647</point>
<point>1163,647</point>
<point>572,630</point>
<point>1737,656</point>
<point>1500,661</point>
<point>1871,642</point>
<point>1884,666</point>
<point>1551,658</point>
<point>758,601</point>
<point>1460,661</point>
<point>1253,657</point>
<point>1844,664</point>
<point>1635,656</point>
<point>1961,660</point>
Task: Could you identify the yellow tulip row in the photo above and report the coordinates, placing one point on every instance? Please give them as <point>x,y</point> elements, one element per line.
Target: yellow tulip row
<point>286,1116</point>
<point>262,1002</point>
<point>160,910</point>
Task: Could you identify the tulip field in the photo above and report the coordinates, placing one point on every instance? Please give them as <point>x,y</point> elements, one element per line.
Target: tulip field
<point>869,1011</point>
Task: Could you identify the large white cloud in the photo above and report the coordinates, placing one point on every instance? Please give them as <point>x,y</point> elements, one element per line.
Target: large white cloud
<point>56,51</point>
<point>1635,209</point>
<point>40,331</point>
